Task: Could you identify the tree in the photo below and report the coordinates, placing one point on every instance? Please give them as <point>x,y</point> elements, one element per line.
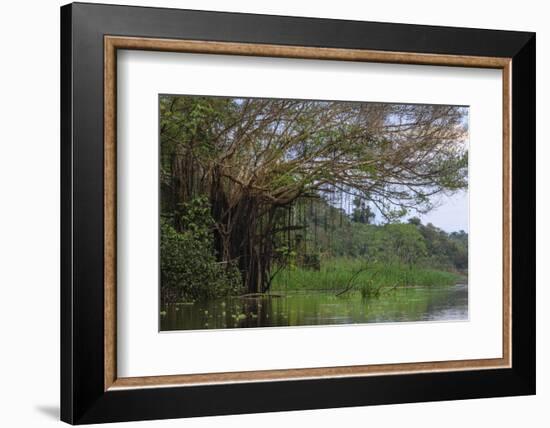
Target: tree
<point>255,158</point>
<point>415,221</point>
<point>361,211</point>
<point>404,243</point>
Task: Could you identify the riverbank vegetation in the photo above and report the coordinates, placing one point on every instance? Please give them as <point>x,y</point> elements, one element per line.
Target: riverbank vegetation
<point>348,255</point>
<point>266,195</point>
<point>346,275</point>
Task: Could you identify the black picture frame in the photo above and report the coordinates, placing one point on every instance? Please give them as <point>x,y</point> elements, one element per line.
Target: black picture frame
<point>83,398</point>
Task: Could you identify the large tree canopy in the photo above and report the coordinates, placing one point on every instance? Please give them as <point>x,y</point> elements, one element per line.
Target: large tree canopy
<point>254,158</point>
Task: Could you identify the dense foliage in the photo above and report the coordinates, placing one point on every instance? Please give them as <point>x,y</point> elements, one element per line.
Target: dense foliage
<point>252,189</point>
<point>329,249</point>
<point>258,161</point>
<point>189,268</point>
<point>322,231</point>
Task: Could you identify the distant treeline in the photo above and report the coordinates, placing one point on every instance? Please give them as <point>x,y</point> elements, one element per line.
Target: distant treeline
<point>327,231</point>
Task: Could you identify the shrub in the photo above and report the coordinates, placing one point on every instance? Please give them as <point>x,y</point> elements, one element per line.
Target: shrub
<point>189,269</point>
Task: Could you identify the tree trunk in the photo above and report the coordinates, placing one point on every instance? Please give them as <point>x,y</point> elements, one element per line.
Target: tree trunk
<point>246,239</point>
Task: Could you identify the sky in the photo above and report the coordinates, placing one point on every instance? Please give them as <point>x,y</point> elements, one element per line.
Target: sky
<point>452,213</point>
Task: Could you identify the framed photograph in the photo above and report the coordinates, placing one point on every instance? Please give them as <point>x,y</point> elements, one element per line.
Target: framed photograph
<point>266,213</point>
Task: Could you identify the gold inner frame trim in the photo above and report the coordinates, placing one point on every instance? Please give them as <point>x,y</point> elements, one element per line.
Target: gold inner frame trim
<point>113,43</point>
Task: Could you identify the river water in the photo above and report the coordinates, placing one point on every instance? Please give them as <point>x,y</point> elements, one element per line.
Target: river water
<point>445,303</point>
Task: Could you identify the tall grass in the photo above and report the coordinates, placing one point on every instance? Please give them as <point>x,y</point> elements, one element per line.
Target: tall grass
<point>341,274</point>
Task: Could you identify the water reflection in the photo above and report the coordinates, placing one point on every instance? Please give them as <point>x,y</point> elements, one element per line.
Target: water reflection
<point>320,308</point>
